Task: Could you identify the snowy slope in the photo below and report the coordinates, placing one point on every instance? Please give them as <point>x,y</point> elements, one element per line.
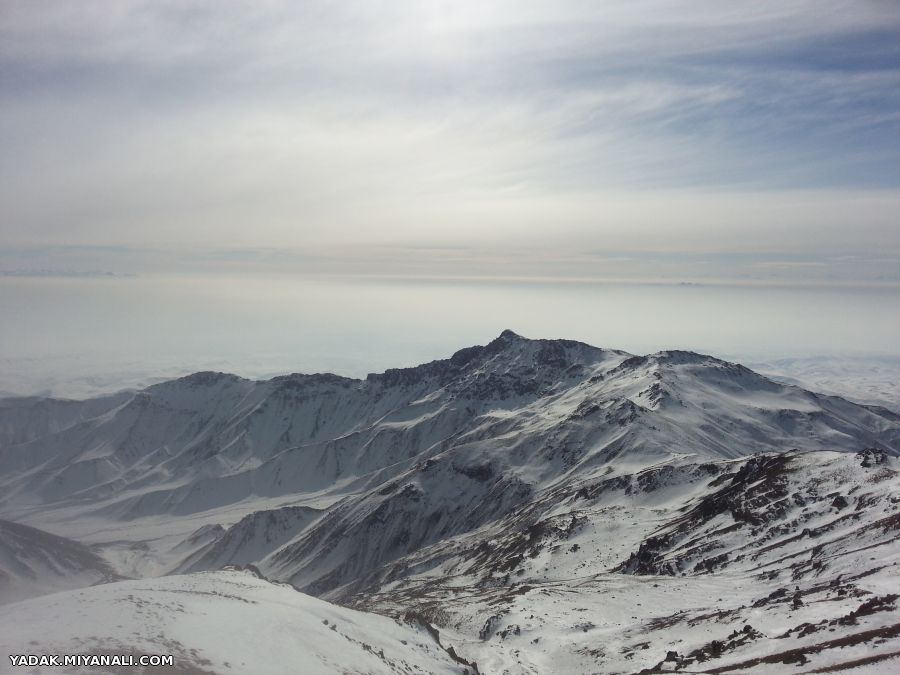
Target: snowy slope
<point>865,379</point>
<point>223,622</point>
<point>33,562</point>
<point>27,418</point>
<point>251,539</point>
<point>403,459</point>
<point>642,412</point>
<point>561,404</point>
<point>802,548</point>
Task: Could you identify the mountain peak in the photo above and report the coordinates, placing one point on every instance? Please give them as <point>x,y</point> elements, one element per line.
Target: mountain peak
<point>506,339</point>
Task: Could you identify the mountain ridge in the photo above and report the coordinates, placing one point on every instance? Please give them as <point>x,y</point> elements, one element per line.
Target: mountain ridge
<point>222,425</point>
<point>490,479</point>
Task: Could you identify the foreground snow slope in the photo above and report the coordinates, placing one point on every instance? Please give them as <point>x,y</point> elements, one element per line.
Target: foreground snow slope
<point>222,622</point>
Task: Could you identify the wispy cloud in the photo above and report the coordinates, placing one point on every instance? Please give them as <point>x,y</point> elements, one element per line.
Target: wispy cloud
<point>705,126</point>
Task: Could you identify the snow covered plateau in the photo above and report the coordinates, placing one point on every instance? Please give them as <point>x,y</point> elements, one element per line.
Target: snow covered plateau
<point>528,506</point>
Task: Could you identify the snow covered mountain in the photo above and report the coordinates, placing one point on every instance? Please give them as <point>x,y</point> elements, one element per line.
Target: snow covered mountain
<point>33,562</point>
<point>498,494</point>
<point>561,406</point>
<point>250,539</point>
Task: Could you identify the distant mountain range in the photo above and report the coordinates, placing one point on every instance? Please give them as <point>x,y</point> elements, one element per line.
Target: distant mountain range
<point>549,506</point>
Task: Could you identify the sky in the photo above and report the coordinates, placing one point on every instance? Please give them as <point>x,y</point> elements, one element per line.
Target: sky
<point>750,142</point>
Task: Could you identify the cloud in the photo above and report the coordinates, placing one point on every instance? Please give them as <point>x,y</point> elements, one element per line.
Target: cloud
<point>709,126</point>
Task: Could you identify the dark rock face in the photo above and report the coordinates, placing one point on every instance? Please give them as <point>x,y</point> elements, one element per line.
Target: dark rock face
<point>523,368</point>
<point>840,502</point>
<point>317,380</point>
<point>479,472</point>
<point>755,495</point>
<point>872,457</point>
<point>444,370</point>
<point>207,378</point>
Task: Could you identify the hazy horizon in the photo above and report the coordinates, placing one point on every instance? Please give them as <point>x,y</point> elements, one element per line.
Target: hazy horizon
<point>79,336</point>
<point>277,186</point>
